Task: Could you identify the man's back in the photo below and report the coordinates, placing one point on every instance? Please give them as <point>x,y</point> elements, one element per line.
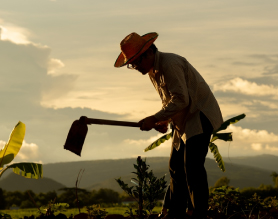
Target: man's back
<point>183,92</point>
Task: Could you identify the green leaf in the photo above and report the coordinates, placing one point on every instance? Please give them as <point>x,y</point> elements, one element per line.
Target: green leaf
<point>8,153</point>
<point>218,158</point>
<point>222,136</point>
<point>27,170</point>
<point>229,122</point>
<point>158,142</point>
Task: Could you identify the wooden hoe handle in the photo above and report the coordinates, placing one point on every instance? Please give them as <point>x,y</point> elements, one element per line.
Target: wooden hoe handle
<point>111,122</point>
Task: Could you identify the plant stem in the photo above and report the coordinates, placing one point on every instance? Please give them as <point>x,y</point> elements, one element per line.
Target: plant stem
<point>139,160</point>
<point>76,191</point>
<point>34,201</point>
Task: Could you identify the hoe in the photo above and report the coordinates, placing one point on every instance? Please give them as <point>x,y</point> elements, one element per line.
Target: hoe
<point>79,129</point>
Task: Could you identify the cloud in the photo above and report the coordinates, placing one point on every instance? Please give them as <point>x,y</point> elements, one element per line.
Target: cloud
<point>28,72</point>
<point>14,33</point>
<point>252,135</point>
<point>54,65</point>
<point>27,152</point>
<point>229,108</point>
<point>244,63</point>
<point>264,58</point>
<point>271,70</point>
<point>268,104</point>
<point>147,142</point>
<point>271,149</point>
<point>246,87</point>
<point>2,144</point>
<point>56,87</point>
<point>250,141</point>
<point>256,146</point>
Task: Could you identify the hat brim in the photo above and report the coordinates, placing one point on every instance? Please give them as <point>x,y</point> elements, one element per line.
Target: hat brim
<point>149,37</point>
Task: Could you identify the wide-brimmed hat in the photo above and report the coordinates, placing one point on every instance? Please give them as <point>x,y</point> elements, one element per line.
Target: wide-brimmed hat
<point>133,46</point>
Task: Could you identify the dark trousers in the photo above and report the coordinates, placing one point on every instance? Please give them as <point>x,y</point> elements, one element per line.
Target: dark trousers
<point>188,186</point>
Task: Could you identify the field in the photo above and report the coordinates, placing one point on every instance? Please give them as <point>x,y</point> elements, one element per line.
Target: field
<point>17,214</point>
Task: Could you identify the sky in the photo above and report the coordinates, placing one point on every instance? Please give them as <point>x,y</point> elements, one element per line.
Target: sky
<point>57,64</point>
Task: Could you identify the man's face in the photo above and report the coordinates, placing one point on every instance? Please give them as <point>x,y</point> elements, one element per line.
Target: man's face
<point>143,64</point>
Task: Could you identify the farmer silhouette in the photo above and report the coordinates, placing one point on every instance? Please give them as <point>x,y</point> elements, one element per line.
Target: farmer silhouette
<point>189,105</point>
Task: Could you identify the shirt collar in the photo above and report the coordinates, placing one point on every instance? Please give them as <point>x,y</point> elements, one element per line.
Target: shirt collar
<point>156,63</point>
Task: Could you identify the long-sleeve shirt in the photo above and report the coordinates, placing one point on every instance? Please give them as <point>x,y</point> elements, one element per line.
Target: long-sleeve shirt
<point>184,93</point>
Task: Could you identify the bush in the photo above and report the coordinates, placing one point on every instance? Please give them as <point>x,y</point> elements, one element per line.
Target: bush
<point>263,191</point>
<point>228,202</point>
<point>27,204</point>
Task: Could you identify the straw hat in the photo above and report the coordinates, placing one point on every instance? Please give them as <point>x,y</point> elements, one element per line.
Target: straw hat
<point>133,46</point>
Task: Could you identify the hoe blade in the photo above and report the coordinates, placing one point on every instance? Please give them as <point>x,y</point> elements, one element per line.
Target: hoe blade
<point>76,137</point>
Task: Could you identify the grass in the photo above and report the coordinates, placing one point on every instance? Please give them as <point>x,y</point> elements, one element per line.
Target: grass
<point>20,213</point>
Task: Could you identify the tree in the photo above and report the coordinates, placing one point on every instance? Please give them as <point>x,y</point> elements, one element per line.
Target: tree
<point>69,196</point>
<point>274,175</point>
<point>13,198</point>
<point>106,196</point>
<point>27,204</point>
<point>223,181</point>
<point>276,182</point>
<point>2,200</point>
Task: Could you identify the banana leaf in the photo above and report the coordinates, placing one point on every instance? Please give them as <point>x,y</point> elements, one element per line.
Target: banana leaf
<point>158,142</point>
<point>8,153</point>
<point>27,170</point>
<point>222,136</point>
<point>229,122</point>
<point>218,158</point>
<point>212,146</point>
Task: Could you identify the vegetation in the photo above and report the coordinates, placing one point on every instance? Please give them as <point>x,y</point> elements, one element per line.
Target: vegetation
<point>105,197</point>
<point>146,191</point>
<point>223,181</point>
<point>224,201</point>
<point>8,153</point>
<point>228,202</point>
<point>17,214</point>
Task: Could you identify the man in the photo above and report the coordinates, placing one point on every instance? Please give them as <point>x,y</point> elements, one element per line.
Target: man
<point>190,106</point>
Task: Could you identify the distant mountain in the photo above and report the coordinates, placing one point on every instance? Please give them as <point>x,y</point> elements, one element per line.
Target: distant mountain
<point>240,175</point>
<point>102,173</point>
<point>97,171</point>
<point>264,161</point>
<point>14,182</point>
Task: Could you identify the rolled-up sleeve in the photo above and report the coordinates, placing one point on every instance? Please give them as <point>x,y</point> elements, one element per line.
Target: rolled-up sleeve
<point>177,87</point>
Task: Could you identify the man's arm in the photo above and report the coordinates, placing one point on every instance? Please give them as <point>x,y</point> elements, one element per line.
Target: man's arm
<point>174,76</point>
<point>175,81</point>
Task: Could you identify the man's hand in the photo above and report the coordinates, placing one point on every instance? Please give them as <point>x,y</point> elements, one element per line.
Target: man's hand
<point>148,123</point>
<point>161,126</point>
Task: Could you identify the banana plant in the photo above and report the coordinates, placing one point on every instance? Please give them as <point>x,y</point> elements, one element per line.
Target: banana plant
<point>222,136</point>
<point>11,149</point>
<point>215,135</point>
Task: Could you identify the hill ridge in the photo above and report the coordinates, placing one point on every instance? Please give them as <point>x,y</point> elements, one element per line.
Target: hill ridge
<point>243,172</point>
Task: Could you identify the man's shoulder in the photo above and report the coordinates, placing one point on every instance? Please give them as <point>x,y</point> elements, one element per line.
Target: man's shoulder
<point>166,58</point>
<point>168,54</point>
